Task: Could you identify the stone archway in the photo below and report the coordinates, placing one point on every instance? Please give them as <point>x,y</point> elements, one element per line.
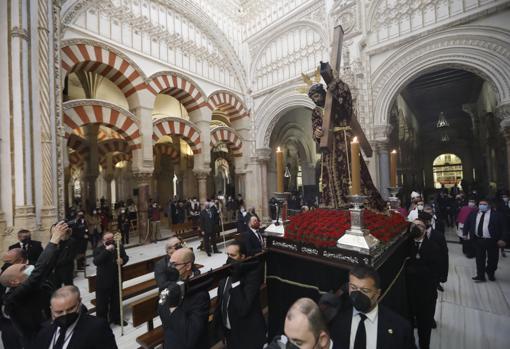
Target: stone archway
<point>482,50</point>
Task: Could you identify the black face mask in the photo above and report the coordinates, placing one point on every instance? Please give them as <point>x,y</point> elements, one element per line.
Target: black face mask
<point>172,274</point>
<point>230,260</point>
<point>64,321</point>
<point>25,240</point>
<point>360,301</point>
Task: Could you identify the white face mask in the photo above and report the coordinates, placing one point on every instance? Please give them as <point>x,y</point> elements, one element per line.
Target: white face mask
<point>420,207</point>
<point>28,270</point>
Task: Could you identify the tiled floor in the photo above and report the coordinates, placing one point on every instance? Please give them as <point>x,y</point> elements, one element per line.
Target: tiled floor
<point>469,315</point>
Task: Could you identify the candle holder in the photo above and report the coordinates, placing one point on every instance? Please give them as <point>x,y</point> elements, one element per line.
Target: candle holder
<point>357,238</point>
<point>277,227</point>
<point>393,197</point>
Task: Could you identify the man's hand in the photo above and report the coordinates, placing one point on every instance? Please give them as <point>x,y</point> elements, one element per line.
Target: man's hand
<point>110,247</point>
<point>58,231</point>
<point>501,243</point>
<point>318,133</point>
<point>120,261</point>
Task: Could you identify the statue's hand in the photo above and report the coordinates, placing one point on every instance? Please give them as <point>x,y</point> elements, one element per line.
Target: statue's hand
<point>318,133</point>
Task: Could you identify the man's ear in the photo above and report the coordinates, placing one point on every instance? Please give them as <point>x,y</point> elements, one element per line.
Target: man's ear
<point>324,340</point>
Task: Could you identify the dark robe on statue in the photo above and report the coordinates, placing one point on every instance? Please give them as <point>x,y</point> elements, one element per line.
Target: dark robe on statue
<point>335,174</point>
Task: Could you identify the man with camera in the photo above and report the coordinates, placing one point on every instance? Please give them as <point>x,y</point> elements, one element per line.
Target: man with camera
<point>239,311</point>
<point>184,312</point>
<point>26,302</point>
<point>107,279</point>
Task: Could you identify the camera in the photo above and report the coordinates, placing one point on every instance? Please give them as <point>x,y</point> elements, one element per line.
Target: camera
<point>173,295</point>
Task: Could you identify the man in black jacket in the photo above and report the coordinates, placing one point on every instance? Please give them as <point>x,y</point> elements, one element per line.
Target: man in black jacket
<point>63,273</point>
<point>72,326</point>
<point>32,247</point>
<point>423,271</point>
<point>485,228</point>
<point>184,316</point>
<point>208,221</point>
<point>239,313</point>
<point>368,324</point>
<point>252,238</point>
<point>27,301</point>
<point>107,278</point>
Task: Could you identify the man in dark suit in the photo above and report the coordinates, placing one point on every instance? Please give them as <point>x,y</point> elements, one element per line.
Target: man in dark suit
<point>107,278</point>
<point>72,326</point>
<point>485,227</point>
<point>367,324</point>
<point>68,249</point>
<point>423,272</point>
<point>239,313</point>
<point>32,247</point>
<point>184,316</point>
<point>437,236</point>
<point>252,238</point>
<point>208,221</point>
<point>27,301</point>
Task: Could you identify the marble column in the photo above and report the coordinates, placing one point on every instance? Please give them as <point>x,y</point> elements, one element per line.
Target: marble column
<point>92,167</point>
<point>263,157</point>
<point>384,169</point>
<point>143,180</point>
<point>503,112</point>
<point>202,175</point>
<point>24,213</point>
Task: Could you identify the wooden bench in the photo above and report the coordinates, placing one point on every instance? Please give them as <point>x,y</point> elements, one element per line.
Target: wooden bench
<point>145,310</point>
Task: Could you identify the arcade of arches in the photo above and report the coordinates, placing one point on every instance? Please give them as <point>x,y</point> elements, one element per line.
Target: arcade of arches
<point>148,99</point>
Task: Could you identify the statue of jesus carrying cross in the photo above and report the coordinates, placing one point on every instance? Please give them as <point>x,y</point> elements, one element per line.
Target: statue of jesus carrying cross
<point>334,123</point>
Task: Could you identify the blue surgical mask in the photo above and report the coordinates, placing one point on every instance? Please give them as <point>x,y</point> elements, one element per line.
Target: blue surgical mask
<point>483,207</point>
<point>28,270</point>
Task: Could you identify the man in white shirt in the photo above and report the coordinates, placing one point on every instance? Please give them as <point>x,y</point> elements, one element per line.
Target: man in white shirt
<point>368,325</point>
<point>304,328</point>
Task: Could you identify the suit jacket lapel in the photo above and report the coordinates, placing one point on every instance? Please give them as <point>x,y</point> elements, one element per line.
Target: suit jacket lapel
<point>382,329</point>
<point>77,340</point>
<point>344,329</point>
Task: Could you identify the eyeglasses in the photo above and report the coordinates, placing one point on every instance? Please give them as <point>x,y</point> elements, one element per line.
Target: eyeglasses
<point>175,247</point>
<point>175,265</point>
<point>364,290</point>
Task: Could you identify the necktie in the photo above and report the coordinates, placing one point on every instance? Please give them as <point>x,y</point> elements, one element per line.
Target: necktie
<point>360,341</point>
<point>480,225</point>
<point>61,338</point>
<point>226,298</point>
<point>260,238</point>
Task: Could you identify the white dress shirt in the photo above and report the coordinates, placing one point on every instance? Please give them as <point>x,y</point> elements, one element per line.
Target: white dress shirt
<point>486,219</point>
<point>69,335</point>
<point>370,327</point>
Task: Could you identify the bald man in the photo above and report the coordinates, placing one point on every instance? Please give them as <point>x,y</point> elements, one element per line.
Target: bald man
<point>184,316</point>
<point>27,301</point>
<point>304,327</point>
<point>71,327</point>
<point>14,256</point>
<point>161,271</point>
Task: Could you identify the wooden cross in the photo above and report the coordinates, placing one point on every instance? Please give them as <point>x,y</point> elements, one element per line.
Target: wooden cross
<point>327,74</point>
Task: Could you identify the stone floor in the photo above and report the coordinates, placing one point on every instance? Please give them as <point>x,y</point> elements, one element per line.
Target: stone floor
<point>469,315</point>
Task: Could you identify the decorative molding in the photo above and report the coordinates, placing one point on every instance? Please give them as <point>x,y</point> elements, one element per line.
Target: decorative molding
<point>17,32</point>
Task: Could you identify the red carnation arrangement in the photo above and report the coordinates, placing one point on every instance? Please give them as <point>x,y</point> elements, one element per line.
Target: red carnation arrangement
<point>323,227</point>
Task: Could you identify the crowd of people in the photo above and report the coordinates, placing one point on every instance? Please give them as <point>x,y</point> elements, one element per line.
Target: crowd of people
<point>41,308</point>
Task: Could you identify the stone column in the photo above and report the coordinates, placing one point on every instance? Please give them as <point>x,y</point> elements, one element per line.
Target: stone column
<point>384,169</point>
<point>143,180</point>
<point>263,157</point>
<point>202,175</point>
<point>92,166</point>
<point>503,112</point>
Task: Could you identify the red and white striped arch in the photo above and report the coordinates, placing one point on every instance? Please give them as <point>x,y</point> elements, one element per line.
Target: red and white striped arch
<point>180,87</point>
<point>228,103</point>
<point>83,112</point>
<point>103,134</point>
<point>113,146</point>
<point>116,158</point>
<point>167,149</point>
<point>178,127</point>
<point>90,56</point>
<point>228,136</point>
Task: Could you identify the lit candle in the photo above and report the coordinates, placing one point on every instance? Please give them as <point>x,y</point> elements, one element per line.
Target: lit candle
<point>393,168</point>
<point>279,170</point>
<point>355,167</point>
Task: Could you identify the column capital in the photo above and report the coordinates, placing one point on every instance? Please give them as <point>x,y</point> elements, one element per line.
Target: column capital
<point>380,146</point>
<point>381,132</point>
<point>503,113</point>
<point>142,178</point>
<point>263,154</point>
<point>201,173</point>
